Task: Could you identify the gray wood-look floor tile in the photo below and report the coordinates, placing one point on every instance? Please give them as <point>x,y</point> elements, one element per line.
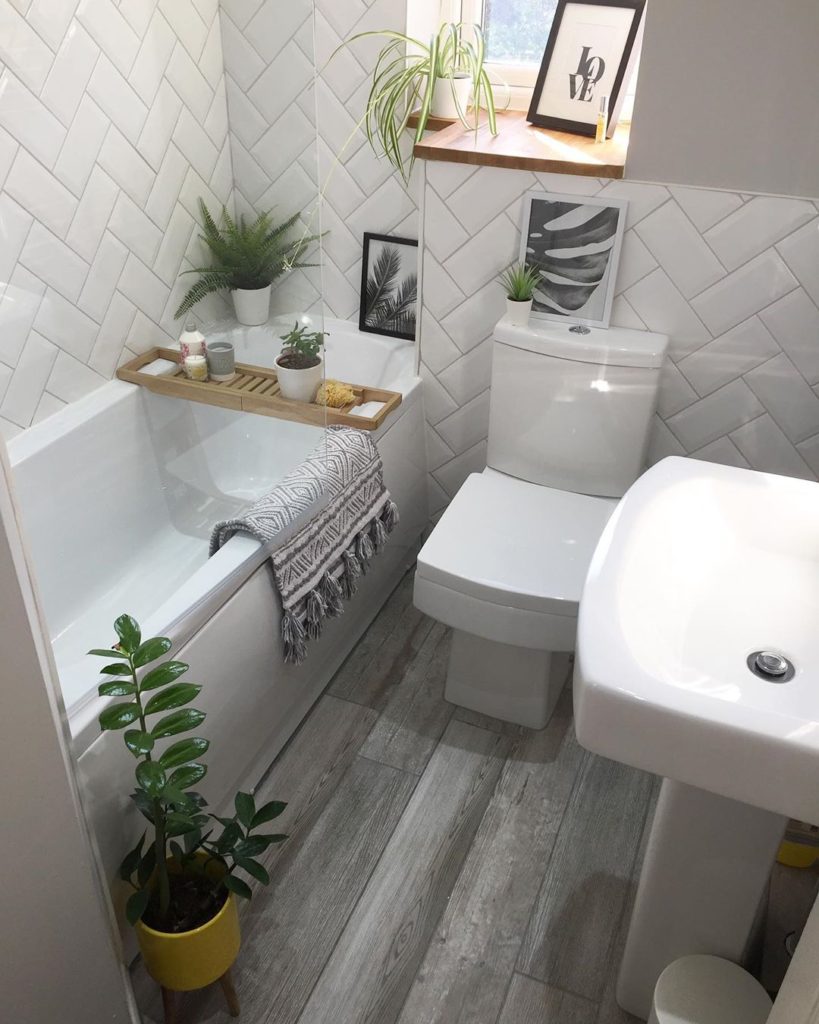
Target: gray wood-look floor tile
<point>377,664</point>
<point>487,722</point>
<point>532,1002</point>
<point>378,954</point>
<point>416,714</point>
<point>466,971</point>
<point>579,908</point>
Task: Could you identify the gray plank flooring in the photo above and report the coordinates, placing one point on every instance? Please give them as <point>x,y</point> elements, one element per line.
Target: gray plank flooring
<point>442,867</point>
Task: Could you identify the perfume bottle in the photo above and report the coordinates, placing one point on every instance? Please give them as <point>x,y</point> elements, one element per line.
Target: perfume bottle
<point>602,120</point>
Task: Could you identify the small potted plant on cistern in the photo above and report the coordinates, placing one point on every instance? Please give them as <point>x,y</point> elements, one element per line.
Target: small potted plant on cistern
<point>520,282</point>
<point>246,260</point>
<point>299,366</point>
<point>185,871</point>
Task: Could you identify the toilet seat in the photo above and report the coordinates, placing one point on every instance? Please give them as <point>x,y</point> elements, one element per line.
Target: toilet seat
<point>508,560</point>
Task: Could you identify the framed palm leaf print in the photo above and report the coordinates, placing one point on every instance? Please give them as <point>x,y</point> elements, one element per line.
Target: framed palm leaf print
<point>389,286</point>
<point>574,243</point>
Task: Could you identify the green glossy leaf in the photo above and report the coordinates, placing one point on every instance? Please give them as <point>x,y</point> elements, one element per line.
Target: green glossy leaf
<point>237,886</point>
<point>138,742</point>
<point>151,650</point>
<point>146,866</point>
<point>144,803</point>
<point>151,776</point>
<point>137,905</point>
<point>228,839</point>
<point>271,838</point>
<point>163,674</point>
<point>131,862</point>
<point>267,813</point>
<point>177,824</point>
<point>188,776</point>
<point>190,840</point>
<point>118,716</point>
<point>116,670</point>
<point>173,697</point>
<point>245,808</point>
<point>177,852</point>
<point>116,689</point>
<point>179,721</point>
<point>183,751</point>
<point>128,631</point>
<point>250,847</point>
<point>255,869</point>
<point>181,801</point>
<point>99,652</point>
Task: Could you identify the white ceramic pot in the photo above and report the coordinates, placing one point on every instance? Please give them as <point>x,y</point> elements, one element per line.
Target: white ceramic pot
<point>443,102</point>
<point>300,385</point>
<point>517,312</point>
<point>252,305</point>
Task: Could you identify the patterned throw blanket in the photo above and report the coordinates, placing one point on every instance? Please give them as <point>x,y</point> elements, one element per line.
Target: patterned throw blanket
<point>334,514</point>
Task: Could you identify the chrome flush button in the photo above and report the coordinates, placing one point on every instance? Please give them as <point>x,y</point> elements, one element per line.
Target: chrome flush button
<point>771,666</point>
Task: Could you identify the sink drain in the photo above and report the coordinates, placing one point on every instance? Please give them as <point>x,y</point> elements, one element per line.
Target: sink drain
<point>770,666</point>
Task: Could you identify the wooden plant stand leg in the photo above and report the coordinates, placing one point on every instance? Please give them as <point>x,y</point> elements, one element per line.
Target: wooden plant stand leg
<point>232,1000</point>
<point>169,1005</point>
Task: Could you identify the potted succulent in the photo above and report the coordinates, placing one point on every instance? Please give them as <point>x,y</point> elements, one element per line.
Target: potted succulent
<point>247,259</point>
<point>299,366</point>
<point>444,79</point>
<point>520,282</point>
<point>186,877</point>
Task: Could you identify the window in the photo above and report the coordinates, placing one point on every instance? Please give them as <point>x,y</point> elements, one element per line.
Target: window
<point>516,33</point>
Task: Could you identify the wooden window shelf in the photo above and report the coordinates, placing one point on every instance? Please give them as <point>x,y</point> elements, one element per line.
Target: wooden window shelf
<point>521,146</point>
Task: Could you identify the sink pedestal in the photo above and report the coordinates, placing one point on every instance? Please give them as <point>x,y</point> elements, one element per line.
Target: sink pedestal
<point>706,868</point>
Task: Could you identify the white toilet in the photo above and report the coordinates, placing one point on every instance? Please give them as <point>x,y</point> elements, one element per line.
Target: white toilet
<point>570,414</point>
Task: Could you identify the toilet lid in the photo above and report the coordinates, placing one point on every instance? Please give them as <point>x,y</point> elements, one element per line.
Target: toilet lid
<point>516,544</point>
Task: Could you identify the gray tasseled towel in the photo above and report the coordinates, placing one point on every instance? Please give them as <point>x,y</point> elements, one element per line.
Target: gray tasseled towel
<point>316,568</point>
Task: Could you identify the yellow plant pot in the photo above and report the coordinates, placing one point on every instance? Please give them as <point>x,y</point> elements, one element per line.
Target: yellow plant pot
<point>184,961</point>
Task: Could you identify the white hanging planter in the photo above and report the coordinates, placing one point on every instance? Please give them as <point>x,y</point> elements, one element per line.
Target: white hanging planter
<point>252,305</point>
<point>443,102</point>
<point>300,385</point>
<point>517,311</point>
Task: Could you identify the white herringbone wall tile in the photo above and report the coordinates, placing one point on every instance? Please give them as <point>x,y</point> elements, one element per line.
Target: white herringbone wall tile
<point>277,110</point>
<point>732,279</point>
<point>113,120</point>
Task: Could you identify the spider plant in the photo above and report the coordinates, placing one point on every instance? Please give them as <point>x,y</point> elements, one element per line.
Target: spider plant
<point>403,83</point>
<point>245,256</point>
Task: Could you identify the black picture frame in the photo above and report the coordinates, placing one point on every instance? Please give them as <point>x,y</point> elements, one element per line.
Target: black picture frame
<point>397,288</point>
<point>615,95</point>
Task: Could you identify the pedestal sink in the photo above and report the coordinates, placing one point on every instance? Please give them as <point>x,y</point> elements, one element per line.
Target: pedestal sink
<point>698,660</point>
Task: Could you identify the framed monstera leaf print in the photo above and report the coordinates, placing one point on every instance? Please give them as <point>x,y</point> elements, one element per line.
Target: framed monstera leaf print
<point>573,242</point>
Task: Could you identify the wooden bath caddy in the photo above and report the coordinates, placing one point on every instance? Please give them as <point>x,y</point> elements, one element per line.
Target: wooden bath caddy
<point>255,389</point>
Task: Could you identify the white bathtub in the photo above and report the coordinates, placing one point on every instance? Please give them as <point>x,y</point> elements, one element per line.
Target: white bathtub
<point>119,493</point>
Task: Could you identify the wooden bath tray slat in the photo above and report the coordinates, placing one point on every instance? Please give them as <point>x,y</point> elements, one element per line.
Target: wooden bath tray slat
<point>255,389</point>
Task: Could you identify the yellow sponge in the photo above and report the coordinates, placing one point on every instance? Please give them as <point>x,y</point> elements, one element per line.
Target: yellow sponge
<point>334,394</point>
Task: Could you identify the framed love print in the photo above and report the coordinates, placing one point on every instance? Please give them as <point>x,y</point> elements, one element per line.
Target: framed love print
<point>590,54</point>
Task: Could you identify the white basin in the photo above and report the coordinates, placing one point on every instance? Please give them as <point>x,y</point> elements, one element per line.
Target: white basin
<point>700,566</point>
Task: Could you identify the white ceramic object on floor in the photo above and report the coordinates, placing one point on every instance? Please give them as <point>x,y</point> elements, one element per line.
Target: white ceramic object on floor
<point>505,566</point>
<point>252,305</point>
<point>708,990</point>
<point>700,567</point>
<point>299,385</point>
<point>444,102</point>
<point>518,312</point>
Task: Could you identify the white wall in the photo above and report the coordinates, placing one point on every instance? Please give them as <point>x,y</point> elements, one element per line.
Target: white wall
<point>269,52</point>
<point>113,121</point>
<point>732,278</point>
<point>728,96</point>
<point>59,961</point>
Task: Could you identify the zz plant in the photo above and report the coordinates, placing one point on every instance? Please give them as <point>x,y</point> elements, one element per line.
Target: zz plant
<point>174,885</point>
